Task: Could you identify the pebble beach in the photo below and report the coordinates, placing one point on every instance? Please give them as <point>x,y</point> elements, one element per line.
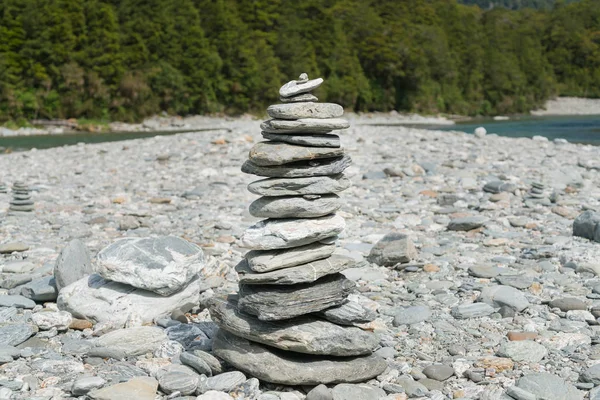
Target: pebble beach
<point>498,301</point>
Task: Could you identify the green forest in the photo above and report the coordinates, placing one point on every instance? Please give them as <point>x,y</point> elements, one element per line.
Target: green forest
<point>128,59</point>
<point>514,4</point>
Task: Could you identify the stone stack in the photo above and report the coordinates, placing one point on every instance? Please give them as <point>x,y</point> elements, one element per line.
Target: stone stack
<point>291,322</point>
<point>3,188</point>
<point>537,191</point>
<point>21,201</point>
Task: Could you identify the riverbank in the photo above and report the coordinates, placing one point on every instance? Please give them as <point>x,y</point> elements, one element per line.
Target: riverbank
<point>569,106</point>
<point>414,181</point>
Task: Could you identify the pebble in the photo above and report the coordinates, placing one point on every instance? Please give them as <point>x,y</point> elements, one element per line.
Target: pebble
<point>83,385</point>
<point>438,372</point>
<point>523,351</point>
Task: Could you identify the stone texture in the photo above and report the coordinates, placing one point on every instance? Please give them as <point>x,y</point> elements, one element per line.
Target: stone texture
<point>12,247</point>
<point>314,140</point>
<point>591,375</point>
<point>299,169</point>
<point>275,153</point>
<point>568,304</point>
<point>15,334</point>
<point>299,98</point>
<point>349,313</point>
<point>224,382</point>
<point>304,125</point>
<point>274,234</point>
<point>271,303</point>
<point>98,300</point>
<point>271,260</point>
<point>467,223</point>
<point>587,225</point>
<point>18,301</point>
<point>523,351</point>
<point>288,368</point>
<point>548,386</point>
<point>296,111</point>
<point>46,320</point>
<point>138,388</point>
<point>411,315</point>
<point>72,264</point>
<point>392,249</point>
<point>41,289</point>
<point>499,296</point>
<point>300,186</point>
<point>178,378</point>
<point>304,273</point>
<point>295,206</point>
<point>307,335</point>
<point>133,341</point>
<point>346,391</point>
<point>164,265</point>
<point>83,385</point>
<point>472,310</point>
<point>195,362</point>
<point>438,372</point>
<point>294,88</point>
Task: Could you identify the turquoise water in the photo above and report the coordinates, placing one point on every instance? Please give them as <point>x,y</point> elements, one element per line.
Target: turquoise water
<point>575,129</point>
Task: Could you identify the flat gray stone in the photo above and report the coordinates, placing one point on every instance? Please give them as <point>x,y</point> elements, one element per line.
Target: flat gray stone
<point>133,341</point>
<point>13,247</point>
<point>301,110</point>
<point>41,289</point>
<point>195,362</point>
<point>72,264</point>
<point>348,313</point>
<point>271,260</point>
<point>467,223</point>
<point>484,271</point>
<point>295,206</point>
<point>439,372</point>
<point>299,169</point>
<point>8,351</point>
<point>412,388</point>
<point>499,296</point>
<point>215,365</point>
<point>276,366</point>
<point>307,335</point>
<point>473,310</point>
<point>587,225</point>
<point>392,249</point>
<point>15,334</point>
<point>18,267</point>
<point>138,388</point>
<point>272,234</point>
<point>304,125</point>
<point>523,351</point>
<point>548,386</point>
<point>272,303</point>
<point>178,378</point>
<point>163,265</point>
<point>591,375</point>
<point>46,320</point>
<point>304,273</point>
<point>568,304</point>
<point>300,186</point>
<point>293,88</point>
<point>99,300</point>
<point>322,140</point>
<point>11,281</point>
<point>276,153</point>
<point>299,98</point>
<point>83,385</point>
<point>18,301</point>
<point>21,208</point>
<point>320,392</point>
<point>516,281</point>
<point>346,391</point>
<point>411,315</point>
<point>225,382</point>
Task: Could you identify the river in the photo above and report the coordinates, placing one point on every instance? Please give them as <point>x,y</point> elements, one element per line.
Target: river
<point>576,129</point>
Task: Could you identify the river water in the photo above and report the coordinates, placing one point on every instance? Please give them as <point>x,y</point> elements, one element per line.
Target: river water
<point>576,129</point>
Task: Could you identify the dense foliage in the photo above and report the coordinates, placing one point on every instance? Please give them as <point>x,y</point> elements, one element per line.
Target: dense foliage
<point>126,59</point>
<point>514,4</point>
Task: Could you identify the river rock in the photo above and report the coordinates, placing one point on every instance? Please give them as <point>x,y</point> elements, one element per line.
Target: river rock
<point>587,225</point>
<point>99,300</point>
<point>304,125</point>
<point>15,334</point>
<point>272,302</point>
<point>304,273</point>
<point>12,247</point>
<point>523,351</point>
<point>133,341</point>
<point>392,249</point>
<point>289,368</point>
<point>274,234</point>
<point>303,335</point>
<point>275,153</point>
<point>300,186</point>
<point>411,315</point>
<point>346,391</point>
<point>467,223</point>
<point>296,111</point>
<point>46,320</point>
<point>499,296</point>
<point>138,388</point>
<point>591,375</point>
<point>271,260</point>
<point>83,385</point>
<point>299,98</point>
<point>439,372</point>
<point>41,289</point>
<point>195,362</point>
<point>72,264</point>
<point>294,206</point>
<point>472,310</point>
<point>349,313</point>
<point>163,265</point>
<point>178,378</point>
<point>294,88</point>
<point>325,166</point>
<point>568,304</point>
<point>322,140</point>
<point>548,386</point>
<point>18,301</point>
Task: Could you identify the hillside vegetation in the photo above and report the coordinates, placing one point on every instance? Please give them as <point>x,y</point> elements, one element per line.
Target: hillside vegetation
<point>127,59</point>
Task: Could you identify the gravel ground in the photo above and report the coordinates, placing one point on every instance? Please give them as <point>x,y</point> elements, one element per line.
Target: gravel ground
<point>493,266</point>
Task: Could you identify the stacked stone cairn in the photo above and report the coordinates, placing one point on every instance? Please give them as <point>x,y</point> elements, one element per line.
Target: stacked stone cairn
<point>291,322</point>
<point>21,198</point>
<point>3,188</point>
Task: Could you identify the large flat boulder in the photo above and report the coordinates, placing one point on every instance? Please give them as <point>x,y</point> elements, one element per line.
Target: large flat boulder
<point>162,265</point>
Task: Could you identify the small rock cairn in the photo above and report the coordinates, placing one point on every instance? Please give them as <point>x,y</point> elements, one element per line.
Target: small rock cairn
<point>3,188</point>
<point>21,201</point>
<point>292,322</point>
